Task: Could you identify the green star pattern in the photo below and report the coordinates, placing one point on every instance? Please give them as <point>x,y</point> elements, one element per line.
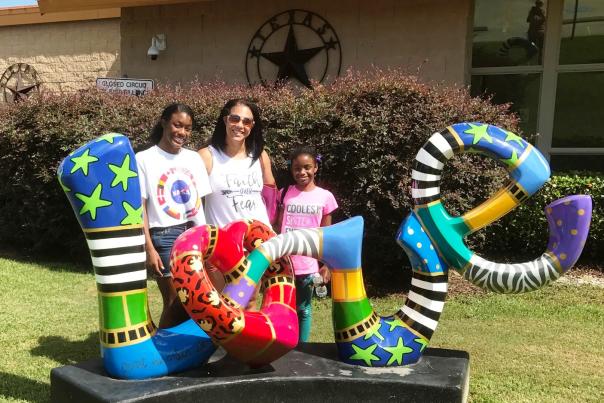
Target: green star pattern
<point>509,137</point>
<point>364,354</point>
<point>108,137</point>
<point>512,160</point>
<point>122,173</point>
<point>82,162</point>
<point>133,215</point>
<point>421,341</point>
<point>479,132</point>
<point>374,331</point>
<point>92,202</point>
<point>394,323</point>
<point>398,352</point>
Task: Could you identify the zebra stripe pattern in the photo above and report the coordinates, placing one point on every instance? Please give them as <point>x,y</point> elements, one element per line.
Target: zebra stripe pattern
<point>118,258</point>
<point>305,242</point>
<point>428,165</point>
<point>424,303</point>
<point>512,278</point>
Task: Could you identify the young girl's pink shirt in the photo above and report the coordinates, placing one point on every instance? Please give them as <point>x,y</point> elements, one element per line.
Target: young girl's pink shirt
<point>305,210</point>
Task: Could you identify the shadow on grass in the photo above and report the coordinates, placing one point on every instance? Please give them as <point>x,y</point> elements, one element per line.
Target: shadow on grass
<point>65,351</point>
<point>22,388</point>
<point>54,264</point>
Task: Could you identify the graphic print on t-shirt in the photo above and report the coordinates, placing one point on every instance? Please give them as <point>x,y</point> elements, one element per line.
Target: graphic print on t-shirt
<point>302,215</point>
<point>241,187</point>
<point>177,193</point>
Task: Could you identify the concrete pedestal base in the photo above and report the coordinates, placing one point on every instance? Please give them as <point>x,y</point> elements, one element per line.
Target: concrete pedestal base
<point>312,373</point>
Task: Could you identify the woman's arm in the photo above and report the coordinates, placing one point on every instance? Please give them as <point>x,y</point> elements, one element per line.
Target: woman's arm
<point>279,220</point>
<point>206,156</point>
<point>267,171</point>
<point>154,262</point>
<point>326,220</point>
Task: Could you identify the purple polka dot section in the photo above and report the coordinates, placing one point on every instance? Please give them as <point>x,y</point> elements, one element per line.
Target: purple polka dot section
<point>568,219</point>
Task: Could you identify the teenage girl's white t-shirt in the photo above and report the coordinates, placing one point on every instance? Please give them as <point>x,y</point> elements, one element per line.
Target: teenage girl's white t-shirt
<point>173,185</point>
<point>236,190</point>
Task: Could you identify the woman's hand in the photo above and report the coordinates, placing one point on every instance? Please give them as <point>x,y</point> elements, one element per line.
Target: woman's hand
<point>154,263</point>
<point>325,273</point>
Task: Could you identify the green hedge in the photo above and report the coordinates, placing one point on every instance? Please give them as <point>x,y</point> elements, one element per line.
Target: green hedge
<point>368,128</point>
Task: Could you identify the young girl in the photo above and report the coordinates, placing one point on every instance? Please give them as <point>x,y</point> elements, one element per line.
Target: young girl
<point>305,205</point>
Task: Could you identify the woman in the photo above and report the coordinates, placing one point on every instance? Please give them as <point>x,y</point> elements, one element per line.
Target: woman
<point>238,166</point>
<point>173,181</point>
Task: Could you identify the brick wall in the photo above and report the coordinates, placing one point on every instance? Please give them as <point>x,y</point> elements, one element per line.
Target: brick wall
<point>66,55</point>
<point>209,40</point>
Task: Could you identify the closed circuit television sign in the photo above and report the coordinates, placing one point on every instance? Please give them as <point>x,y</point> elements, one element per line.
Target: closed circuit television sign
<point>126,86</point>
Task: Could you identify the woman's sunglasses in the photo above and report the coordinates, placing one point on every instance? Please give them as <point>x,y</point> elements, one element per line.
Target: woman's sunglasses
<point>234,119</point>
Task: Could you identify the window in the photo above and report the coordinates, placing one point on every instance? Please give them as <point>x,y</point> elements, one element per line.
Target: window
<point>508,33</point>
<point>547,59</point>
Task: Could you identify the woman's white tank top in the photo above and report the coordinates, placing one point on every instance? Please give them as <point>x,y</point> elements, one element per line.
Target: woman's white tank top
<point>236,190</point>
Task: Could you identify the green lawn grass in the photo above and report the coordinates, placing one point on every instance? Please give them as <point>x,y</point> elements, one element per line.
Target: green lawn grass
<point>544,346</point>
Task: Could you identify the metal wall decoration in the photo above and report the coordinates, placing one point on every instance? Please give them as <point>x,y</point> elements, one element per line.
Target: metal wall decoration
<point>293,45</point>
<point>18,82</point>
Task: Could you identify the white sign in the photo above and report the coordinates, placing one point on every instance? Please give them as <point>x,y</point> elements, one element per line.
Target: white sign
<point>125,85</point>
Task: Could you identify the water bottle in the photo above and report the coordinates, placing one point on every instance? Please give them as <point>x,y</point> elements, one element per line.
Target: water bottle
<point>320,287</point>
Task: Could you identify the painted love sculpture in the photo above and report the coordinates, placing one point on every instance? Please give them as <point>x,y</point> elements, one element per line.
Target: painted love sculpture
<point>101,182</point>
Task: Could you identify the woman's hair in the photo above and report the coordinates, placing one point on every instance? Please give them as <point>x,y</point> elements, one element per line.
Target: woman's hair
<point>158,130</point>
<point>254,143</point>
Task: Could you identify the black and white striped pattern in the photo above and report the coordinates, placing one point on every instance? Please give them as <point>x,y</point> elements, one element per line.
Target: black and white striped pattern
<point>512,278</point>
<point>428,165</point>
<point>305,242</point>
<point>424,303</point>
<point>118,258</point>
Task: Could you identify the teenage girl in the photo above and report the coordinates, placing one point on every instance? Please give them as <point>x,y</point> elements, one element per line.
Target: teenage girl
<point>173,181</point>
<point>305,205</point>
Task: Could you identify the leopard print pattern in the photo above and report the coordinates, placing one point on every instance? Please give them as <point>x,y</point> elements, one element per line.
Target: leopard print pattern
<point>216,315</point>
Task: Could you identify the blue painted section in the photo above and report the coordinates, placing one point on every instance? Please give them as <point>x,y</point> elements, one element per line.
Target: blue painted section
<point>410,351</point>
<point>498,144</point>
<point>418,246</point>
<point>169,350</point>
<point>342,244</point>
<point>533,172</point>
<point>98,172</point>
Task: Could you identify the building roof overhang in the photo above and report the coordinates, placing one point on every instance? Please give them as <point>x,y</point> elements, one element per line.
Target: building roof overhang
<point>31,15</point>
<point>54,6</point>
